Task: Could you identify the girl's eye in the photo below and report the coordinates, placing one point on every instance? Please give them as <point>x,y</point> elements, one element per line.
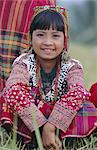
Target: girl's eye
<point>40,34</point>
<point>56,35</point>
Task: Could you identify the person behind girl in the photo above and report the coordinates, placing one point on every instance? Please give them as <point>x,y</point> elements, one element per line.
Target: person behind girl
<point>93,91</point>
<point>48,81</point>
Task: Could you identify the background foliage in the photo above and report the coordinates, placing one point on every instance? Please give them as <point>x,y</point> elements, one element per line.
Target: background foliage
<point>82,20</point>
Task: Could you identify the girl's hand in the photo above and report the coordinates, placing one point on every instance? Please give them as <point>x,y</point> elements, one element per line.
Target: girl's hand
<point>50,140</point>
<point>48,136</point>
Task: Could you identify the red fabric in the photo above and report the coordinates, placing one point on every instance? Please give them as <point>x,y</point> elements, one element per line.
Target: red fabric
<point>15,19</point>
<point>75,97</point>
<point>81,126</point>
<point>93,91</point>
<point>18,96</point>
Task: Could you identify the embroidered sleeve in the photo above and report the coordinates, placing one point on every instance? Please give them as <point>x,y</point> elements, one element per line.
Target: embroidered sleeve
<point>19,100</point>
<point>65,110</point>
<point>75,75</point>
<point>19,74</point>
<point>6,117</point>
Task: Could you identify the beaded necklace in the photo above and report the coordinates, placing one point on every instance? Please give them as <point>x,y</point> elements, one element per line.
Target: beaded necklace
<point>59,84</point>
<point>47,78</point>
<point>40,84</point>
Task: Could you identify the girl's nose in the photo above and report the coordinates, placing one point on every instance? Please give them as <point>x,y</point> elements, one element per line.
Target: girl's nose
<point>48,41</point>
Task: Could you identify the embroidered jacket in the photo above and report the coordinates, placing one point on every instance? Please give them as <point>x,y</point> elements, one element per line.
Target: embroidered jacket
<point>19,95</point>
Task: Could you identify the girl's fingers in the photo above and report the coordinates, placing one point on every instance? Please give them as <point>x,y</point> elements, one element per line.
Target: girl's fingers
<point>49,148</point>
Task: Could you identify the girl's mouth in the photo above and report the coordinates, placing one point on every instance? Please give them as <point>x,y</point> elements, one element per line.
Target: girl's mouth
<point>47,50</point>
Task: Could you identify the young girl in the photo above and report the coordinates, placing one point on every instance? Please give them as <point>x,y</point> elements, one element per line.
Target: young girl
<point>48,81</point>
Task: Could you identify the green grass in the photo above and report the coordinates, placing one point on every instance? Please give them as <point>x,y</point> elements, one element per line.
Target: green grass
<point>88,58</point>
<point>87,143</point>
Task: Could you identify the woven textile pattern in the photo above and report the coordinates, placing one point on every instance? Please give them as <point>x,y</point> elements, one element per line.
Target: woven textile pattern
<point>15,19</point>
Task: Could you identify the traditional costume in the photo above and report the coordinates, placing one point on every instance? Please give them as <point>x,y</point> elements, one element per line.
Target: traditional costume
<point>58,97</point>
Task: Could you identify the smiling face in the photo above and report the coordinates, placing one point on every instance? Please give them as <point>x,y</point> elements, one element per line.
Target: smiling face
<point>48,44</point>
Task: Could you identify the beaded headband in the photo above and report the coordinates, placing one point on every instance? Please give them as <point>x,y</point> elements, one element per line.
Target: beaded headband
<point>61,10</point>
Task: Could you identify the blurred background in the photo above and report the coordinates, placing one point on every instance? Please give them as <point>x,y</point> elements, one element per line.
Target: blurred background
<point>82,15</point>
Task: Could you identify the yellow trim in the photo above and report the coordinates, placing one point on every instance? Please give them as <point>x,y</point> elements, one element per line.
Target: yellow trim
<point>11,42</point>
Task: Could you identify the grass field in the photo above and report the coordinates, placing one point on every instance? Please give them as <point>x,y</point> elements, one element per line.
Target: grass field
<point>88,58</point>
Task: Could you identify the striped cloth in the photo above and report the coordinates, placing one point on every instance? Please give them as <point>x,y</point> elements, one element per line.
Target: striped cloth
<point>15,19</point>
<point>84,123</point>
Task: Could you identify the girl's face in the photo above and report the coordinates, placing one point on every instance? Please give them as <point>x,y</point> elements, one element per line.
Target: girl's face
<point>47,44</point>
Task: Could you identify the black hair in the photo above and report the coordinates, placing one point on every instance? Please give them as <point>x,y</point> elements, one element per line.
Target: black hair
<point>46,19</point>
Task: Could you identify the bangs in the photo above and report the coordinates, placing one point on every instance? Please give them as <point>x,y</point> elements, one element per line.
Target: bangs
<point>47,19</point>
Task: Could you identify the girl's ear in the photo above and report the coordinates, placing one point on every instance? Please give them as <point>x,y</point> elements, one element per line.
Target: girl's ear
<point>29,40</point>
